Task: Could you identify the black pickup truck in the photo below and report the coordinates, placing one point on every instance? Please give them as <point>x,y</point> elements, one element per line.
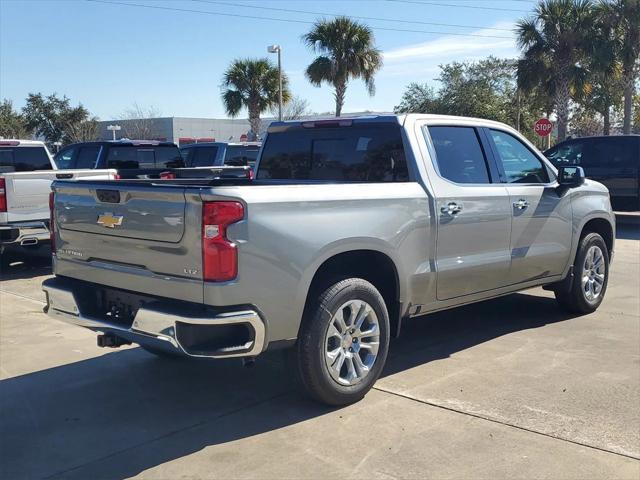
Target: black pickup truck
<point>131,158</point>
<point>613,161</point>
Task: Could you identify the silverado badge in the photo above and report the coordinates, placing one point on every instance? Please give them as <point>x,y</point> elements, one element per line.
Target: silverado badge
<point>110,220</point>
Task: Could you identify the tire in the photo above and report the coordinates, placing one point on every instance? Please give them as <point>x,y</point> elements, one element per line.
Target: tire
<point>583,298</point>
<point>321,336</point>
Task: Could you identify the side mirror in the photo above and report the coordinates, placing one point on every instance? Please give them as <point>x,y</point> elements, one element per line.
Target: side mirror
<point>570,177</point>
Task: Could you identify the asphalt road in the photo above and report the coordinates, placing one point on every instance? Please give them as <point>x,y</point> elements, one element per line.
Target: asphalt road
<point>508,388</point>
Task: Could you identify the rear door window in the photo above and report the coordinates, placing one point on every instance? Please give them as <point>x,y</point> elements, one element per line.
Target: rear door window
<point>357,153</point>
<point>611,152</point>
<point>24,159</point>
<point>520,164</point>
<point>459,154</point>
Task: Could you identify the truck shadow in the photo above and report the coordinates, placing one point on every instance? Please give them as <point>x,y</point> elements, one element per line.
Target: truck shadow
<point>124,412</point>
<point>25,263</point>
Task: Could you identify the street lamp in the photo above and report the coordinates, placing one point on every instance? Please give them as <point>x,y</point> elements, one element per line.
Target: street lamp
<point>278,50</point>
<point>114,129</point>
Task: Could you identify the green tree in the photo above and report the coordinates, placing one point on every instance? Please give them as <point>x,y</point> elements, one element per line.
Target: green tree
<point>485,89</point>
<point>346,50</point>
<point>623,17</point>
<point>252,84</point>
<point>601,92</point>
<point>53,117</point>
<point>553,43</point>
<point>84,131</point>
<point>12,123</point>
<point>419,98</point>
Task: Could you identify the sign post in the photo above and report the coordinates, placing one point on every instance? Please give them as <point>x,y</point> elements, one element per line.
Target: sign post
<point>543,128</point>
<point>114,129</point>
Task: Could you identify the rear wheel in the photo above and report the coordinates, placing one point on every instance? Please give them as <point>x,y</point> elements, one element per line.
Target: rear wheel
<point>591,275</point>
<point>343,342</point>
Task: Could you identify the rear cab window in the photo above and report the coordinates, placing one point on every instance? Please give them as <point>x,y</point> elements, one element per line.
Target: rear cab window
<point>203,156</point>
<point>146,156</point>
<point>241,155</point>
<point>356,153</point>
<point>24,159</point>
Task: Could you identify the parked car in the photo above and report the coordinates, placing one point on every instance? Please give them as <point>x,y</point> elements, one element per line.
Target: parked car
<point>26,173</point>
<point>130,158</point>
<point>613,160</point>
<point>220,153</point>
<point>351,226</point>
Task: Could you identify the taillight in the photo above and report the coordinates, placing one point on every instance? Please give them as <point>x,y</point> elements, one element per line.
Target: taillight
<point>167,175</point>
<point>219,254</point>
<point>3,196</point>
<point>52,222</point>
<point>117,177</point>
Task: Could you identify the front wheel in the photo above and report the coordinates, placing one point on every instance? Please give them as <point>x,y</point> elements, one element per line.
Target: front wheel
<point>343,342</point>
<point>591,276</point>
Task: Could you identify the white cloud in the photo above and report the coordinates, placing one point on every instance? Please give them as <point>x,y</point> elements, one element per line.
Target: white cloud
<point>424,57</point>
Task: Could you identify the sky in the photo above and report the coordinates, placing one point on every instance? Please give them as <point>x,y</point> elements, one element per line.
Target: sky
<point>171,54</point>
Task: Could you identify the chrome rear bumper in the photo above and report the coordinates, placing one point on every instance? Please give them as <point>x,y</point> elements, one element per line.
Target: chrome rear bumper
<point>23,233</point>
<point>160,327</point>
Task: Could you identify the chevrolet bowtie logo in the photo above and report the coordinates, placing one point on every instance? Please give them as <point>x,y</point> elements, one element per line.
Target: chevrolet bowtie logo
<point>110,220</point>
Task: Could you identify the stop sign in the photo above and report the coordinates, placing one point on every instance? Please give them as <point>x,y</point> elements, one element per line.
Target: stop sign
<point>543,127</point>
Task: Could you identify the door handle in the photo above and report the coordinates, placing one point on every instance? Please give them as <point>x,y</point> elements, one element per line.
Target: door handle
<point>451,208</point>
<point>521,204</point>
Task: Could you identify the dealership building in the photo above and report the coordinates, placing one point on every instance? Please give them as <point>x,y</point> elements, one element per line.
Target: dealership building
<point>180,130</point>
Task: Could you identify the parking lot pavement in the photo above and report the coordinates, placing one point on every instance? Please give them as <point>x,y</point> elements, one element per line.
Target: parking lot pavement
<point>506,388</point>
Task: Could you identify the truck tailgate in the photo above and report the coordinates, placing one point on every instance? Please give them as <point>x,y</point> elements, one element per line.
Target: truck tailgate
<point>28,192</point>
<point>133,229</point>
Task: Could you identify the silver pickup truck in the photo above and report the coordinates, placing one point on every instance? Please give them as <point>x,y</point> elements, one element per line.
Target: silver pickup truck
<point>350,226</point>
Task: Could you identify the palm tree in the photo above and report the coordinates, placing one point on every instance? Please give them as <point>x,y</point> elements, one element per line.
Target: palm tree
<point>604,80</point>
<point>252,84</point>
<point>346,49</point>
<point>553,41</point>
<point>623,16</point>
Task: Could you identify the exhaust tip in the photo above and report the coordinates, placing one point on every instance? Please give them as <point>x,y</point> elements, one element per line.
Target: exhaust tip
<point>28,241</point>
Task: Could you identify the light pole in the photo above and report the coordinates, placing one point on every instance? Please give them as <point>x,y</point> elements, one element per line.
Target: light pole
<point>278,50</point>
<point>114,129</point>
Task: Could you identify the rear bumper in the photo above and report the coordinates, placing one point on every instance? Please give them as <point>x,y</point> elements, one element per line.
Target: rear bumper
<point>160,326</point>
<point>24,233</point>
